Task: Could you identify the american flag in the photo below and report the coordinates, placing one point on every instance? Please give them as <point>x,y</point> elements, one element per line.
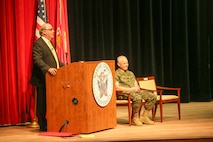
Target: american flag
<point>41,17</point>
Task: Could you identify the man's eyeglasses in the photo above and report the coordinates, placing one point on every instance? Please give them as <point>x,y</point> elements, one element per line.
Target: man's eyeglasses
<point>49,29</point>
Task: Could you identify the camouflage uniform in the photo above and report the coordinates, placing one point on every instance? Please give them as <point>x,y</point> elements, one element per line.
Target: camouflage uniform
<point>127,79</point>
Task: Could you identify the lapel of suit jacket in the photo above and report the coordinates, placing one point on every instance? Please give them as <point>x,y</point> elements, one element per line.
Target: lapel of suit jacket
<point>44,45</point>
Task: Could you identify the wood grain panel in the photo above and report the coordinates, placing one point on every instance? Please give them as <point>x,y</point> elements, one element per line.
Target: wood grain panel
<point>74,82</point>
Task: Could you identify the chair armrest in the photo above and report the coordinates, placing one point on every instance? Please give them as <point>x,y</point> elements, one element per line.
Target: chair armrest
<point>159,91</point>
<point>167,88</point>
<point>118,92</point>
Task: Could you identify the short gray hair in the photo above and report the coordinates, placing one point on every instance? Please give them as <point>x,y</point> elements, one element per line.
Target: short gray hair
<point>121,58</point>
<point>43,27</point>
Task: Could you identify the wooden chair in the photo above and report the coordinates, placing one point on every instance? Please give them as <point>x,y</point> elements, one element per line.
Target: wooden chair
<point>162,94</point>
<point>127,103</point>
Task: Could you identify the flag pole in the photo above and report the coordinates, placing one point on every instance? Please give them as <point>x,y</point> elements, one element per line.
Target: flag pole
<point>34,123</point>
<point>41,9</point>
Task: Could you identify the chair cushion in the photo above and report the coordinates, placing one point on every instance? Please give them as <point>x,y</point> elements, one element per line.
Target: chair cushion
<point>122,101</point>
<point>167,97</point>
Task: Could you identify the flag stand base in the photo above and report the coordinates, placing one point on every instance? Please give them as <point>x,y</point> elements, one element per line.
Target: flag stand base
<point>33,124</point>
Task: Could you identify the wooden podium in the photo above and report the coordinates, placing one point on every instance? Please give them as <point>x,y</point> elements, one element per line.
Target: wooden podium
<point>70,97</point>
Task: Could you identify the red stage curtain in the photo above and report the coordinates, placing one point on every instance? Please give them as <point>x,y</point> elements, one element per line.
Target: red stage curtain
<point>17,34</point>
<point>17,31</point>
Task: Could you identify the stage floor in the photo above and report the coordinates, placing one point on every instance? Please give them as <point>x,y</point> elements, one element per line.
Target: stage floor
<point>196,124</point>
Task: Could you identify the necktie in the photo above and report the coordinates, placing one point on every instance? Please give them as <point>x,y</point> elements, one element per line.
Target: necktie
<point>54,53</point>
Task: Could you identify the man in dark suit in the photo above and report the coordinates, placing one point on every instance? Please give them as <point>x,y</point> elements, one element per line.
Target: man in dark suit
<point>44,60</point>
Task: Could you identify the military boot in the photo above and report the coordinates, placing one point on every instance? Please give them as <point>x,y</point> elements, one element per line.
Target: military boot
<point>145,118</point>
<point>135,120</point>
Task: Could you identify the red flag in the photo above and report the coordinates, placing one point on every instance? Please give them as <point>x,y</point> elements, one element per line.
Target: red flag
<point>62,36</point>
<point>41,17</point>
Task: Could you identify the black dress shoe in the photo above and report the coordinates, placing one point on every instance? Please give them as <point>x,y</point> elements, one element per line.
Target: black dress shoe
<point>43,129</point>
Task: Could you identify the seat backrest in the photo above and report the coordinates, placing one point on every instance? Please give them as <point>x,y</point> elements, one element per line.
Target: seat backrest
<point>147,83</point>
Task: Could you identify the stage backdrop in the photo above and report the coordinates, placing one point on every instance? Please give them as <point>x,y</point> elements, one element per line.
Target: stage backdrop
<point>170,39</point>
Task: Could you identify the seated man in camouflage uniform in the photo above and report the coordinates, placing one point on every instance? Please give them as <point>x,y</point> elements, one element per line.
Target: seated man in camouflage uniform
<point>126,82</point>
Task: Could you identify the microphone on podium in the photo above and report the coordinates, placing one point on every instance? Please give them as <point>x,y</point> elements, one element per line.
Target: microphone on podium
<point>65,124</point>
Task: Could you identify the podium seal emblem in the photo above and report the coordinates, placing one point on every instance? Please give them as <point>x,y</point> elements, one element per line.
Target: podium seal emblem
<point>102,84</point>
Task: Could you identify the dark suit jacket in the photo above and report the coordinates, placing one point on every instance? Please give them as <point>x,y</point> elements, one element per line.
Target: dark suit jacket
<point>42,61</point>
